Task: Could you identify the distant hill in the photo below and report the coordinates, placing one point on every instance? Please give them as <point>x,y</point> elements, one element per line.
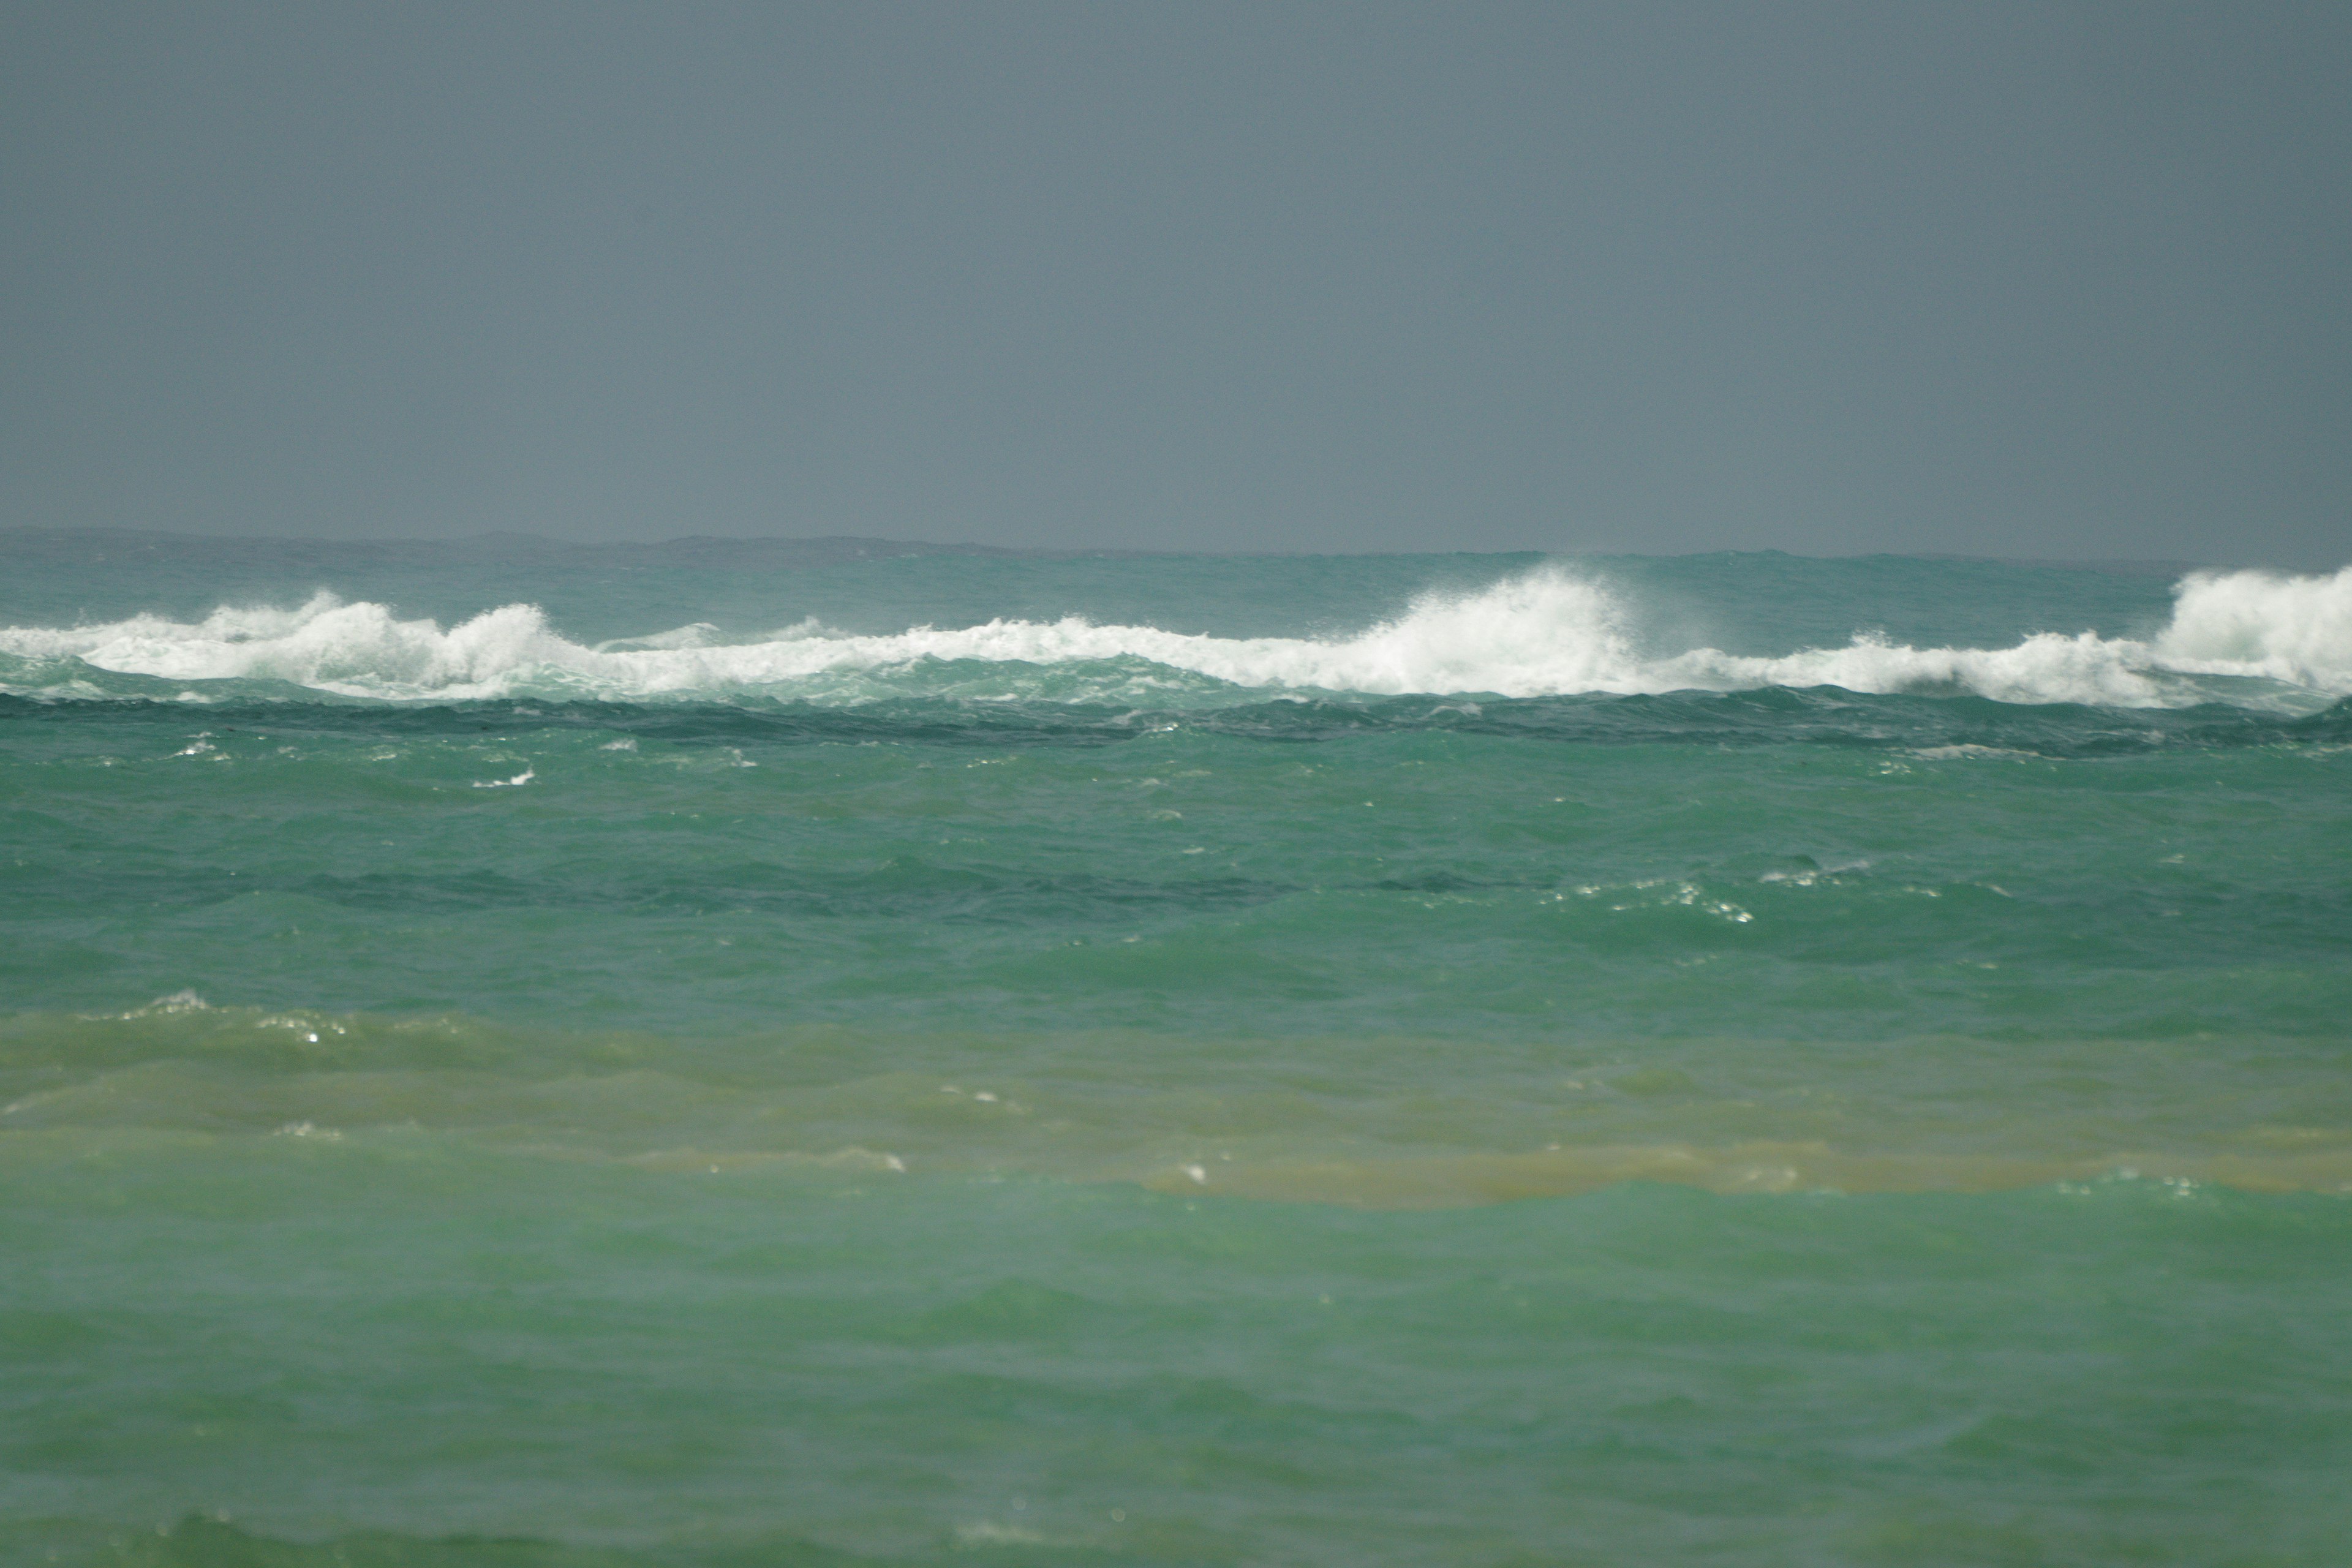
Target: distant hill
<point>100,546</point>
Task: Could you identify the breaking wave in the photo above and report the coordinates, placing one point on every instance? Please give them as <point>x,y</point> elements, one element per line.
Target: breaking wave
<point>2250,638</point>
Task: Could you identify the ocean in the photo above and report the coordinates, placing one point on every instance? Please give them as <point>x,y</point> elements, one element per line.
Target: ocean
<point>735,1053</point>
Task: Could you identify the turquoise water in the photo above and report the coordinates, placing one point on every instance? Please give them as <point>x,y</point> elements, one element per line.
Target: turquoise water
<point>757,1054</point>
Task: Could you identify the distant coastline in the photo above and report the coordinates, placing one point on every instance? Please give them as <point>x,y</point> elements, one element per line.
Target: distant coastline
<point>99,546</point>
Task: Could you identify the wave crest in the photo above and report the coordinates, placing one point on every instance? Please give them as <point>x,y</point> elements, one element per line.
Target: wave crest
<point>2245,636</point>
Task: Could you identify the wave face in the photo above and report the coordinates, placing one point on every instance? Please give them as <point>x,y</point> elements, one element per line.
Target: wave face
<point>2245,637</point>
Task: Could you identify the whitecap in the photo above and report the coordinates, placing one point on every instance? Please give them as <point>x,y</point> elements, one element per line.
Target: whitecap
<point>2244,637</point>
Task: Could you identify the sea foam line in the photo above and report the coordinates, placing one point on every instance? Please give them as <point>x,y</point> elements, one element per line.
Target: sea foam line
<point>1547,632</point>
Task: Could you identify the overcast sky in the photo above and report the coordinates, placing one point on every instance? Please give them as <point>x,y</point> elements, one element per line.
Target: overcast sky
<point>2034,279</point>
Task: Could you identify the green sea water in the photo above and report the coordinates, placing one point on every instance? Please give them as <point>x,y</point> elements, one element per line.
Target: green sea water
<point>834,1052</point>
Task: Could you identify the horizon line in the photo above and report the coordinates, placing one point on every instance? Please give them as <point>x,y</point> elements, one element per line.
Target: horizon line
<point>908,547</point>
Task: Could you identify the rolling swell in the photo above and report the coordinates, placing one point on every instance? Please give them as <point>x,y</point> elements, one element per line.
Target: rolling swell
<point>1771,716</point>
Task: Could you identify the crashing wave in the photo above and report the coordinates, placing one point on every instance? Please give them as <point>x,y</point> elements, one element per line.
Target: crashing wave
<point>1549,632</point>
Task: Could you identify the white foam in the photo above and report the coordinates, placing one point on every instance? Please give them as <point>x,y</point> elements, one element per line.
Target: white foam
<point>2293,629</point>
<point>1545,632</point>
<point>358,649</point>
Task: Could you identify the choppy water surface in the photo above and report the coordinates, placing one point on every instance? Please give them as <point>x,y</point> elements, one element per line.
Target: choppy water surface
<point>739,1054</point>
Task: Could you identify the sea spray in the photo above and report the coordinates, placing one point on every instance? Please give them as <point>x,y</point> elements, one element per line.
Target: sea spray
<point>1547,632</point>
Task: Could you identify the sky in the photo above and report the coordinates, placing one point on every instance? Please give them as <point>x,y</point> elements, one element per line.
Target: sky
<point>2045,281</point>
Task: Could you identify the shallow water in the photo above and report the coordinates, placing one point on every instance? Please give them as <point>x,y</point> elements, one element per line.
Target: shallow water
<point>774,1054</point>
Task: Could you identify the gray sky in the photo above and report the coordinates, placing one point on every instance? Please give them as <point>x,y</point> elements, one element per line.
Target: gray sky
<point>2039,280</point>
